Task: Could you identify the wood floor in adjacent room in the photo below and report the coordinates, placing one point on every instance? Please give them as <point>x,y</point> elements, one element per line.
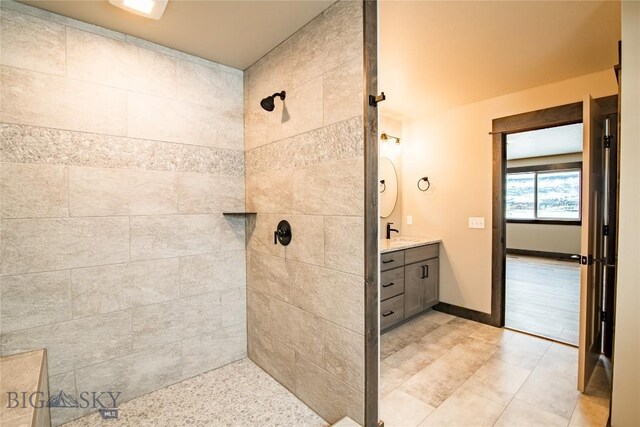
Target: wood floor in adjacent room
<point>543,297</point>
<point>441,370</point>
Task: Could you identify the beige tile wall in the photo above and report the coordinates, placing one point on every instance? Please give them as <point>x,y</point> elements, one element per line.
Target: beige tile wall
<point>118,159</point>
<point>304,163</point>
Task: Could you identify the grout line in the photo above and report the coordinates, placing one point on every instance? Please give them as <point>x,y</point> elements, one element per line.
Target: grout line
<point>129,230</point>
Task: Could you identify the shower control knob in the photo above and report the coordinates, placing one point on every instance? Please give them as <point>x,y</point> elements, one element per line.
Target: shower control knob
<point>282,233</point>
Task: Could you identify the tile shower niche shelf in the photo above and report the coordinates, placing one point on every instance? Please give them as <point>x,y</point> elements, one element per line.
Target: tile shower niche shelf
<point>239,213</point>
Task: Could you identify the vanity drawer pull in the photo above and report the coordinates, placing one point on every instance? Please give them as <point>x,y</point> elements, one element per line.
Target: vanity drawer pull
<point>388,284</point>
<point>388,313</point>
<point>388,261</point>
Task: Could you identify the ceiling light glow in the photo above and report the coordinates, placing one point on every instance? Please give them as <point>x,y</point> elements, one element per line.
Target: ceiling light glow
<point>148,8</point>
<point>144,6</point>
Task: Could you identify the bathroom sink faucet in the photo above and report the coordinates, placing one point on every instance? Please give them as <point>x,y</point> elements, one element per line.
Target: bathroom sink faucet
<point>389,230</point>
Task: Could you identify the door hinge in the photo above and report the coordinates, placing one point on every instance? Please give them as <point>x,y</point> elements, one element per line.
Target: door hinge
<point>607,141</point>
<point>604,316</point>
<point>374,100</point>
<point>586,260</point>
<point>605,230</point>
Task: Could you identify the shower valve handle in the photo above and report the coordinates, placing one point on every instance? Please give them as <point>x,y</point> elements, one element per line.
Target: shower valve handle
<point>282,233</point>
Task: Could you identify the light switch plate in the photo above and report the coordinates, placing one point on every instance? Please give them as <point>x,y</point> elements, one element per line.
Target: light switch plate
<point>409,220</point>
<point>476,222</point>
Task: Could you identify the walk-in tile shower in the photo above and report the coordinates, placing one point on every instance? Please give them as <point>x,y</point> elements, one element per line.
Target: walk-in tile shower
<point>120,159</point>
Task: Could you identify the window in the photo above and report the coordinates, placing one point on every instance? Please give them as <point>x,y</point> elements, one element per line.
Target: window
<point>544,193</point>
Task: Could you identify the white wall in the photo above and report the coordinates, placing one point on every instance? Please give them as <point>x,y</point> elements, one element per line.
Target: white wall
<point>626,374</point>
<point>454,149</point>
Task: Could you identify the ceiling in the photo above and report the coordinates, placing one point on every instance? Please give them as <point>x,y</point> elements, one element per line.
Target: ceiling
<point>436,55</point>
<point>545,142</point>
<point>233,33</point>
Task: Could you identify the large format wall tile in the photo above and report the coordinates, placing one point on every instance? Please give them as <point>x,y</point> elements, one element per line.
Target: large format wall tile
<point>212,350</point>
<point>344,354</point>
<point>170,321</point>
<point>272,73</point>
<point>328,41</point>
<point>298,113</point>
<point>260,230</point>
<point>258,306</point>
<point>332,295</point>
<point>270,275</point>
<point>307,241</point>
<point>203,193</point>
<point>34,300</point>
<point>63,382</point>
<point>342,88</point>
<point>169,236</point>
<point>278,360</point>
<point>109,288</point>
<point>327,395</point>
<point>343,240</point>
<point>133,375</point>
<point>232,233</point>
<point>32,43</point>
<point>297,329</point>
<point>168,120</point>
<point>103,192</point>
<point>30,191</point>
<point>201,274</point>
<point>233,307</point>
<point>210,86</point>
<point>270,191</point>
<point>256,124</point>
<point>330,188</point>
<point>31,245</point>
<point>111,62</point>
<point>51,101</point>
<point>76,343</point>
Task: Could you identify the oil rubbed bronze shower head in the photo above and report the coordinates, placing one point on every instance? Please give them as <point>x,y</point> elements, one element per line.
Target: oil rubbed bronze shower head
<point>268,102</point>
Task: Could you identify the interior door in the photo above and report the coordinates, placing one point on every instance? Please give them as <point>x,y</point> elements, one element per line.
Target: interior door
<point>591,272</point>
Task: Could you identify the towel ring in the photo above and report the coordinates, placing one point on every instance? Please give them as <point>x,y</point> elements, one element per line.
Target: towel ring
<point>384,186</point>
<point>424,178</point>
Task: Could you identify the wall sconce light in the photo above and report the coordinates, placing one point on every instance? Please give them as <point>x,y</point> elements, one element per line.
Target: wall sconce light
<point>386,137</point>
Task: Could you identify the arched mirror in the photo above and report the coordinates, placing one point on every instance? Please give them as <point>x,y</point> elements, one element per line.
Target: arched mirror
<point>388,187</point>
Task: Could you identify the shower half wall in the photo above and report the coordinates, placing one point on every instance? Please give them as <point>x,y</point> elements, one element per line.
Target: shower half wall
<point>118,159</point>
<point>304,163</point>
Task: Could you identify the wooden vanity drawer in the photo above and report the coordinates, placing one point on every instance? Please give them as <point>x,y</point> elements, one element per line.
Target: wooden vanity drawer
<point>391,312</point>
<point>391,260</point>
<point>391,283</point>
<point>421,253</point>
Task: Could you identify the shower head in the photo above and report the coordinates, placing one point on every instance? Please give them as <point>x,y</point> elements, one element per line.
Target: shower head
<point>268,104</point>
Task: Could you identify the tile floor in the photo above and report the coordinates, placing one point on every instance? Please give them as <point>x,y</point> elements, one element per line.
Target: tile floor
<point>441,370</point>
<point>239,394</point>
<point>543,297</point>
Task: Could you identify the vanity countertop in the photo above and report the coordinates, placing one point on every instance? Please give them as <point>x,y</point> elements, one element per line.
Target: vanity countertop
<point>401,243</point>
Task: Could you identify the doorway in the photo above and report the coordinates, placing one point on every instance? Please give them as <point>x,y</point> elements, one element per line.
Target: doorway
<point>543,231</point>
<point>526,287</point>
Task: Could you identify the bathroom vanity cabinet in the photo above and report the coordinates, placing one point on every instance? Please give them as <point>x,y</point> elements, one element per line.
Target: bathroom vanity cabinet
<point>409,283</point>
